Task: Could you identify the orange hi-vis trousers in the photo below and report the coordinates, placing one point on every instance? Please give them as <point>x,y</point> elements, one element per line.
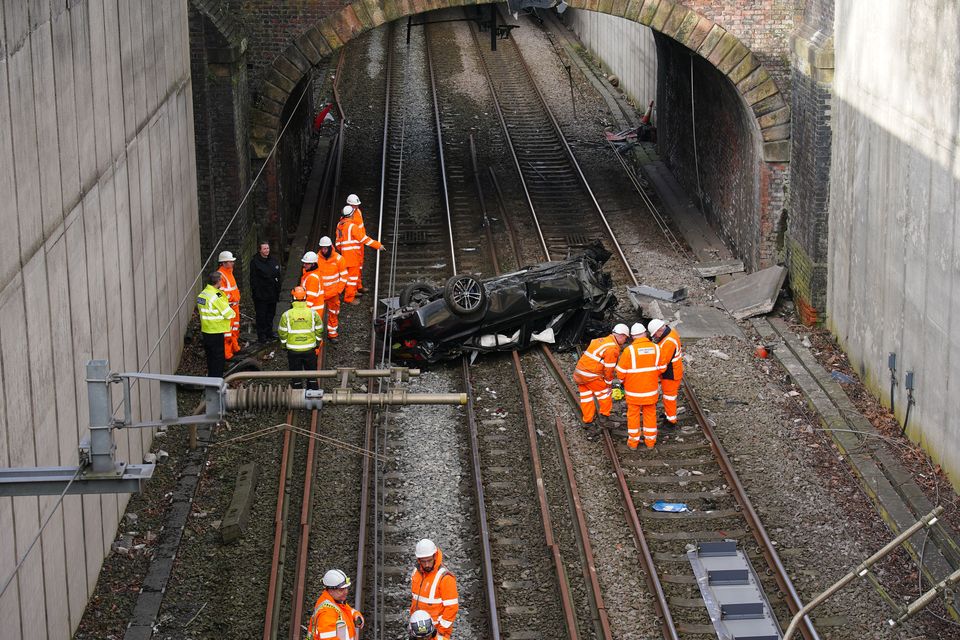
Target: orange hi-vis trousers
<point>333,315</point>
<point>670,389</point>
<point>597,388</point>
<point>649,412</point>
<point>231,341</point>
<point>353,281</point>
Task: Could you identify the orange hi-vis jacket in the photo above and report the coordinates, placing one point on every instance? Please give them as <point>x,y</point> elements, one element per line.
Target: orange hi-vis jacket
<point>333,271</point>
<point>328,614</point>
<point>229,285</point>
<point>357,218</point>
<point>639,369</point>
<point>598,361</point>
<point>312,282</point>
<point>351,238</point>
<point>671,356</point>
<point>436,593</point>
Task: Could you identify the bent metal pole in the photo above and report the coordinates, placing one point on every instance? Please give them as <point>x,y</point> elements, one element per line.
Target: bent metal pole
<point>862,569</point>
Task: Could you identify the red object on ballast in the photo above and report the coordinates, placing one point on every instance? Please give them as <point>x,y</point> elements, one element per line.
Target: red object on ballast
<point>318,121</point>
<point>761,352</point>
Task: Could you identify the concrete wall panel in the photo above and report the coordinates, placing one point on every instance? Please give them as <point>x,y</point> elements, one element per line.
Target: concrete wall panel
<point>101,89</point>
<point>25,158</point>
<point>51,198</point>
<point>66,115</point>
<point>127,69</point>
<point>895,177</point>
<point>111,25</point>
<point>9,241</point>
<point>625,47</point>
<point>83,91</point>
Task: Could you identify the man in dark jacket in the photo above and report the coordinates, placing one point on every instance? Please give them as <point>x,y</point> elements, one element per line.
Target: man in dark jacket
<point>265,277</point>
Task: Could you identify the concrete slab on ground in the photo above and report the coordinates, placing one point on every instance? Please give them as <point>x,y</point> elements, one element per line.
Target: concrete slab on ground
<point>718,268</point>
<point>896,496</point>
<point>754,294</point>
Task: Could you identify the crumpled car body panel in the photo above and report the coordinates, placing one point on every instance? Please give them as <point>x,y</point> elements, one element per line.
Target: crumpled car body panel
<point>565,295</point>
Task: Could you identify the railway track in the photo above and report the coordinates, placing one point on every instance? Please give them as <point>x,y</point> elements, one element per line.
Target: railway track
<point>436,224</point>
<point>691,466</point>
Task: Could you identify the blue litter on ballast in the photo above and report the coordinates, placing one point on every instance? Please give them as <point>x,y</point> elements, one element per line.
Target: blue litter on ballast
<point>670,507</point>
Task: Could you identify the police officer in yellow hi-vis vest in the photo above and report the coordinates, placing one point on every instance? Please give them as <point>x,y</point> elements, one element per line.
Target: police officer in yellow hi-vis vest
<point>301,332</point>
<point>215,316</point>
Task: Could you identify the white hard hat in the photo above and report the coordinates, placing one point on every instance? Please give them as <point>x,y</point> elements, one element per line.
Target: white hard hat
<point>654,326</point>
<point>426,548</point>
<point>325,241</point>
<point>353,199</point>
<point>637,329</point>
<point>347,210</point>
<point>335,579</point>
<point>621,329</point>
<point>309,257</point>
<point>421,625</point>
<point>225,256</point>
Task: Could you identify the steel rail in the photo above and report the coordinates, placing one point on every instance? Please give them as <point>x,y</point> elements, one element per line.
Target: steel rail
<point>486,549</point>
<point>759,532</point>
<point>633,519</point>
<point>271,622</point>
<point>443,164</point>
<point>582,531</point>
<point>750,514</point>
<point>368,423</point>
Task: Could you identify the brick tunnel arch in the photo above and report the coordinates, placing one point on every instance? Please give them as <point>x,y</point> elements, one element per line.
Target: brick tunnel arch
<point>720,48</point>
<point>743,196</point>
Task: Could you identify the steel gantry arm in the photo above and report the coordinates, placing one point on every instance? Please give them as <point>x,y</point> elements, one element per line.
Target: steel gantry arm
<point>99,470</point>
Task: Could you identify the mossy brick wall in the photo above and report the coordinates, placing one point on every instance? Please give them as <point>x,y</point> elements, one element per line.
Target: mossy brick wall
<point>812,134</point>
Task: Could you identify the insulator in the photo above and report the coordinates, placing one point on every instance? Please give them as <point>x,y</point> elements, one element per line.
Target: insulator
<point>267,397</point>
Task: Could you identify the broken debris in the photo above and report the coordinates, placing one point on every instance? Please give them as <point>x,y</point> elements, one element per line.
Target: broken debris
<point>752,295</point>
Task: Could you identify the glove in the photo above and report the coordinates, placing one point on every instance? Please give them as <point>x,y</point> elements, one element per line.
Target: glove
<point>358,622</point>
<point>617,393</point>
<point>317,351</point>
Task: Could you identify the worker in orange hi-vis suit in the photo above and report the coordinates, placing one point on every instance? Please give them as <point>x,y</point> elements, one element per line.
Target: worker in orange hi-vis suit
<point>671,367</point>
<point>228,284</point>
<point>332,617</point>
<point>351,239</point>
<point>333,271</point>
<point>434,589</point>
<point>640,373</point>
<point>312,281</point>
<point>353,200</point>
<point>594,373</point>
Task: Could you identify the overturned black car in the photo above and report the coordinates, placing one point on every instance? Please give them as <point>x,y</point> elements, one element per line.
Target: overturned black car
<point>553,302</point>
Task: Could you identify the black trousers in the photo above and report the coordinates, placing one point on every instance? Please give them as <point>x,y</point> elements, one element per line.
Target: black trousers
<point>302,361</point>
<point>213,349</point>
<point>266,310</point>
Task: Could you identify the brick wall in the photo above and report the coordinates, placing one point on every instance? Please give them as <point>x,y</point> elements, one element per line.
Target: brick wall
<point>731,168</point>
<point>764,26</point>
<point>218,62</point>
<point>812,134</point>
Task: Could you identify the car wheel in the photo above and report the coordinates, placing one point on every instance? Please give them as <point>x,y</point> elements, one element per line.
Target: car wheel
<point>416,293</point>
<point>465,295</point>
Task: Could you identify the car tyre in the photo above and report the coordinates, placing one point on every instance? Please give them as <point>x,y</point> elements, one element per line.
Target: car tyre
<point>466,296</point>
<point>416,292</point>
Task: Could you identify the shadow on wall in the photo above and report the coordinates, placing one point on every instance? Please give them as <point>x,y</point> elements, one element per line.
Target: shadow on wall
<point>894,256</point>
<point>712,146</point>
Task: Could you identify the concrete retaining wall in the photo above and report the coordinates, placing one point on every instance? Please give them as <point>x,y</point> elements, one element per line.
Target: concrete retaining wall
<point>98,241</point>
<point>894,243</point>
<point>625,48</point>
